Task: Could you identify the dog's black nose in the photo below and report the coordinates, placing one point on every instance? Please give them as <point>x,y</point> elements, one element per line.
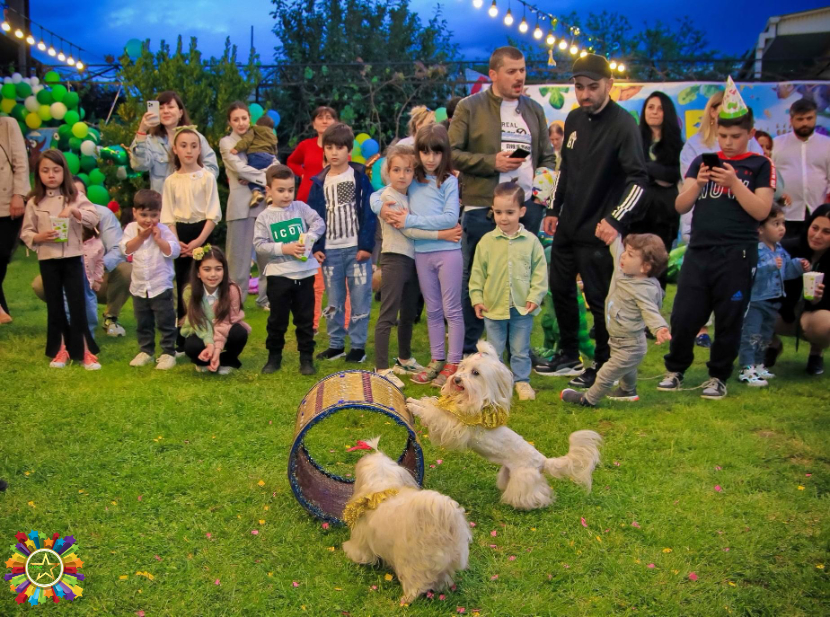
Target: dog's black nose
<point>457,380</point>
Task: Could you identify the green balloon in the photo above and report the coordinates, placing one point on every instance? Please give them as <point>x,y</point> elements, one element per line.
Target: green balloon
<point>75,144</point>
<point>44,97</point>
<point>51,77</point>
<point>88,163</point>
<point>19,112</point>
<point>97,194</point>
<point>94,135</point>
<point>96,176</point>
<point>73,162</point>
<point>72,117</point>
<point>23,90</point>
<point>121,157</point>
<point>8,91</point>
<point>65,130</point>
<point>71,100</point>
<point>83,112</point>
<point>84,178</point>
<point>58,92</point>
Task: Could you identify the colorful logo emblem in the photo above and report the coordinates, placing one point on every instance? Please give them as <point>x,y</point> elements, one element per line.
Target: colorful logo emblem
<point>44,569</point>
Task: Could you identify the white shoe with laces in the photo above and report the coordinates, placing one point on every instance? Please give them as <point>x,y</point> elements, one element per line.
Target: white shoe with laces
<point>389,374</point>
<point>407,367</point>
<point>142,359</point>
<point>763,373</point>
<point>751,378</point>
<point>165,362</point>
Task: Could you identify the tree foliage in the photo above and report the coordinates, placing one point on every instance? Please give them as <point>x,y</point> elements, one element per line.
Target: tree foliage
<point>371,61</point>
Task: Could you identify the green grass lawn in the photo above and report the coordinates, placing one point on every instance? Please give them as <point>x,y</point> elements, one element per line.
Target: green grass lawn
<point>163,478</point>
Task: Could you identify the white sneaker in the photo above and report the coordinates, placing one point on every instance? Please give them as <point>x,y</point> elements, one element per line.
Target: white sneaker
<point>763,373</point>
<point>165,362</point>
<point>525,391</point>
<point>750,378</point>
<point>407,367</point>
<point>142,359</point>
<point>390,375</point>
<point>225,370</point>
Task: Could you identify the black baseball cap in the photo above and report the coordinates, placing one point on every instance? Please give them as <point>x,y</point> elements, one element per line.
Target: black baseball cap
<point>593,67</point>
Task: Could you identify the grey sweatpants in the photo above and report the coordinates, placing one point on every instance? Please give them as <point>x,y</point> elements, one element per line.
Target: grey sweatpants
<point>238,251</point>
<point>626,355</point>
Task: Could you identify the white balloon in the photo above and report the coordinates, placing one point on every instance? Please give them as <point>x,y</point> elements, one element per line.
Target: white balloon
<point>89,148</point>
<point>34,81</point>
<point>121,173</point>
<point>7,80</point>
<point>36,89</point>
<point>17,78</point>
<point>58,110</point>
<point>31,103</point>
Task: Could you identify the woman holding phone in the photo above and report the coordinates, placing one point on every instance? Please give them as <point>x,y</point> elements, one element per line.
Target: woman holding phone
<point>150,150</point>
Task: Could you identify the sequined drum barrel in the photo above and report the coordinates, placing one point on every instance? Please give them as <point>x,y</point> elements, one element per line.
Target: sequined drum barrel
<point>321,492</point>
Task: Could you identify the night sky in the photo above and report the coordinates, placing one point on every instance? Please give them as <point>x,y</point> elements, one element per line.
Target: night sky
<point>104,27</point>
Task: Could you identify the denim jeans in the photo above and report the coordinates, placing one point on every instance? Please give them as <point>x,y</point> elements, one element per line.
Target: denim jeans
<point>516,330</point>
<point>259,160</point>
<point>339,269</point>
<point>757,332</point>
<point>91,301</point>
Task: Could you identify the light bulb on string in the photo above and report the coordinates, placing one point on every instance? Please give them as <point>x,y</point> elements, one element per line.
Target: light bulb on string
<point>6,26</point>
<point>493,10</point>
<point>613,65</point>
<point>621,68</point>
<point>30,40</point>
<point>79,65</point>
<point>478,3</point>
<point>70,60</point>
<point>550,40</point>
<point>583,53</point>
<point>508,18</point>
<point>61,56</point>
<point>563,45</point>
<point>18,33</point>
<point>523,26</point>
<point>537,32</point>
<point>574,50</point>
<point>52,51</point>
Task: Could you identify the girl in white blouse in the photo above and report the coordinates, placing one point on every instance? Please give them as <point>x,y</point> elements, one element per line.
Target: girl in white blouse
<point>189,206</point>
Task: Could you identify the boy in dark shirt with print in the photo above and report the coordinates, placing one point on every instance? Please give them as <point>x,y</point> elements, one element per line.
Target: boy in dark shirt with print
<point>730,200</point>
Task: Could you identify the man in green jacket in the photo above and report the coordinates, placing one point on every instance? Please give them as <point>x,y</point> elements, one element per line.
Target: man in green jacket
<point>486,129</point>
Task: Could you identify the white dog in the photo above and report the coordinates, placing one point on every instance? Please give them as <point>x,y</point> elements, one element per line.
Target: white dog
<point>422,535</point>
<point>472,414</point>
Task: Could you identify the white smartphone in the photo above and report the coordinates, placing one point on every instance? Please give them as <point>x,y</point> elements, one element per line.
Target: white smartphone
<point>153,108</point>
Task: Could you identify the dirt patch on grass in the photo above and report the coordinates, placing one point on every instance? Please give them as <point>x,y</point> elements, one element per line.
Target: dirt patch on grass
<point>766,434</point>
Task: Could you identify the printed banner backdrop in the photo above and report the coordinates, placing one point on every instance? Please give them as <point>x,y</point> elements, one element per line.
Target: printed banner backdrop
<point>770,102</point>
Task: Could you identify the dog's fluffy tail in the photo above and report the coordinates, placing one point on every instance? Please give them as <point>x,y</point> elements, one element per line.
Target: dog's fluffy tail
<point>434,521</point>
<point>579,463</point>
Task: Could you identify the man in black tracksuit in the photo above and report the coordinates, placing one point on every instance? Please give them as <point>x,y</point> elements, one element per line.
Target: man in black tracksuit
<point>599,190</point>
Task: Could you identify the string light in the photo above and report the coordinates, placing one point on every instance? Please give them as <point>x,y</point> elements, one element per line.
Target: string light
<point>613,65</point>
<point>523,26</point>
<point>574,49</point>
<point>6,26</point>
<point>30,40</point>
<point>79,65</point>
<point>508,18</point>
<point>550,40</point>
<point>61,56</point>
<point>493,10</point>
<point>70,61</point>
<point>537,31</point>
<point>18,33</point>
<point>563,45</point>
<point>478,3</point>
<point>583,53</point>
<point>621,67</point>
<point>51,51</point>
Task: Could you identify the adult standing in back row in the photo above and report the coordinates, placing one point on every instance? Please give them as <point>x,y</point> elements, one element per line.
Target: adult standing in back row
<point>599,191</point>
<point>485,130</point>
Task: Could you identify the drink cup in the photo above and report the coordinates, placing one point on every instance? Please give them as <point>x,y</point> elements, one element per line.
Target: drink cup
<point>811,281</point>
<point>61,225</point>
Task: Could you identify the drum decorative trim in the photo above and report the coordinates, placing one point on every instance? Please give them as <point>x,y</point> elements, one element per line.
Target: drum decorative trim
<point>321,492</point>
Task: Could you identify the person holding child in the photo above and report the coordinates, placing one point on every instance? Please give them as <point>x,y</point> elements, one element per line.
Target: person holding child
<point>56,203</point>
<point>508,283</point>
<point>285,232</point>
<point>260,144</point>
<point>399,286</point>
<point>340,195</point>
<point>153,247</point>
<point>189,207</point>
<point>731,194</point>
<point>633,304</point>
<point>214,330</point>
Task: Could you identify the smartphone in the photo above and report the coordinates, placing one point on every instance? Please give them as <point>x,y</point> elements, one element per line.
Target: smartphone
<point>519,153</point>
<point>153,107</point>
<point>711,160</point>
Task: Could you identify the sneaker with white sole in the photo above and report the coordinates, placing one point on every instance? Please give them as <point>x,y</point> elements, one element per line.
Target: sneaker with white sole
<point>165,362</point>
<point>202,369</point>
<point>60,360</point>
<point>672,382</point>
<point>525,391</point>
<point>763,372</point>
<point>751,378</point>
<point>225,370</point>
<point>624,395</point>
<point>561,366</point>
<point>714,389</point>
<point>389,374</point>
<point>407,367</point>
<point>142,359</point>
<point>112,327</point>
<point>574,397</point>
<point>90,362</point>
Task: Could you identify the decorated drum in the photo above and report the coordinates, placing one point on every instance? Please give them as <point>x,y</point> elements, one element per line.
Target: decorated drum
<point>322,493</point>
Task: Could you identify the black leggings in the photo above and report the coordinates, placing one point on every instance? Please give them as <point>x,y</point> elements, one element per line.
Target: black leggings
<point>186,232</point>
<point>237,339</point>
<point>9,232</point>
<point>66,276</point>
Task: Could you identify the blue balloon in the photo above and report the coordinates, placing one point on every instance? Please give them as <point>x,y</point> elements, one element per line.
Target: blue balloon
<point>369,148</point>
<point>275,116</point>
<point>133,48</point>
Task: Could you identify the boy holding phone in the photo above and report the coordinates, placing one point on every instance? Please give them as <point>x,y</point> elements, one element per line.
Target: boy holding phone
<point>730,196</point>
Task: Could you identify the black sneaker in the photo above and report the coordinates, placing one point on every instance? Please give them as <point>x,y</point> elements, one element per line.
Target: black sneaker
<point>771,354</point>
<point>273,365</point>
<point>356,355</point>
<point>572,396</point>
<point>561,366</point>
<point>624,395</point>
<point>585,380</point>
<point>815,364</point>
<point>307,367</point>
<point>714,389</point>
<point>671,382</point>
<point>331,354</point>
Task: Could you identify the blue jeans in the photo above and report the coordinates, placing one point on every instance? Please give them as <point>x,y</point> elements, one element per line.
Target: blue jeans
<point>757,332</point>
<point>91,301</point>
<point>259,160</point>
<point>339,269</point>
<point>517,330</point>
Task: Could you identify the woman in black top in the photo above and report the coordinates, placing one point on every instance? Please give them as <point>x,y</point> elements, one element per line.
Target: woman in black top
<point>662,144</point>
<point>808,319</point>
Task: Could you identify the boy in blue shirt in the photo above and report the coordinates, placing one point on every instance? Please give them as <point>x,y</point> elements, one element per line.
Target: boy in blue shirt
<point>730,196</point>
<point>774,267</point>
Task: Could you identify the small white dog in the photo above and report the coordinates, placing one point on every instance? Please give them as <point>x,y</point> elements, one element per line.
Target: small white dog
<point>422,535</point>
<point>472,413</point>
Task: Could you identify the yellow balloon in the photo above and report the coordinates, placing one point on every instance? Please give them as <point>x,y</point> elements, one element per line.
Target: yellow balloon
<point>33,121</point>
<point>6,105</point>
<point>362,137</point>
<point>44,112</point>
<point>80,130</point>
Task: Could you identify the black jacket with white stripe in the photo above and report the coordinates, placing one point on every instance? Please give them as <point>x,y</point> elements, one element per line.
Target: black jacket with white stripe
<point>603,174</point>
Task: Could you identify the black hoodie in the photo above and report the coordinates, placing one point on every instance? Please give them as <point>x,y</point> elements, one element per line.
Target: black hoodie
<point>603,174</point>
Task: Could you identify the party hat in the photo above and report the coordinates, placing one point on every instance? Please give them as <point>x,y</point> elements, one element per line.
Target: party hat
<point>733,104</point>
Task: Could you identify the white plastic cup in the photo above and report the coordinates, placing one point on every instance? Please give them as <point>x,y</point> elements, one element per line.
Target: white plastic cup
<point>811,281</point>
